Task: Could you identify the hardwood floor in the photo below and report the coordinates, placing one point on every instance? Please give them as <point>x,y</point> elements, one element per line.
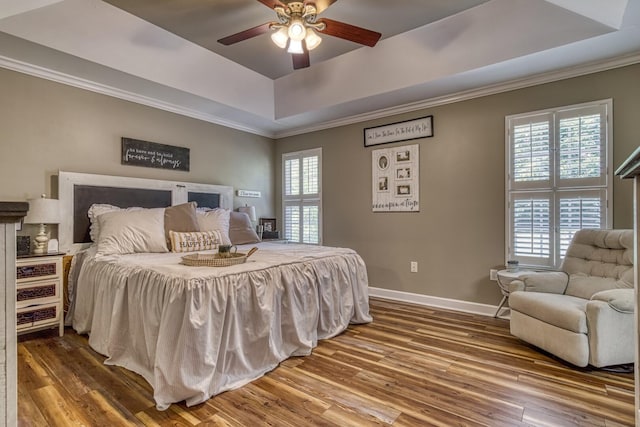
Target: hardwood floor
<point>413,366</point>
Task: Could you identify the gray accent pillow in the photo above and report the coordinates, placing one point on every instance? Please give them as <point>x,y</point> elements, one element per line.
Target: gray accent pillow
<point>241,231</point>
<point>180,218</point>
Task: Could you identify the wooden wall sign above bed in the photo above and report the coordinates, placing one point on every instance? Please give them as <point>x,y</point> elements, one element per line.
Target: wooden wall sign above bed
<point>153,155</point>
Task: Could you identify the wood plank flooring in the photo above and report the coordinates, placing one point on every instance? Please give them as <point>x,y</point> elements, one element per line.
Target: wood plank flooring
<point>413,366</point>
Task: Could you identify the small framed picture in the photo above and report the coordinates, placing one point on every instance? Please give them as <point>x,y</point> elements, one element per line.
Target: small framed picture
<point>269,224</point>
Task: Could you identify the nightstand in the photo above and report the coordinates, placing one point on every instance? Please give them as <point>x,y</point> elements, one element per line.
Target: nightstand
<point>39,293</point>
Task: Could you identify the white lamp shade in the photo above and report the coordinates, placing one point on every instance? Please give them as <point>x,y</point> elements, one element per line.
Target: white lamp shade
<point>295,46</point>
<point>43,211</point>
<point>312,40</point>
<point>249,210</point>
<point>280,37</point>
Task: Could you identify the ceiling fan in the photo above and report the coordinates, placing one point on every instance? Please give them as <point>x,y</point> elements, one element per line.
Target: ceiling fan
<point>296,29</point>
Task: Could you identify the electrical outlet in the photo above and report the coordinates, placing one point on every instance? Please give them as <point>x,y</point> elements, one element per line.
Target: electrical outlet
<point>414,266</point>
<point>493,274</point>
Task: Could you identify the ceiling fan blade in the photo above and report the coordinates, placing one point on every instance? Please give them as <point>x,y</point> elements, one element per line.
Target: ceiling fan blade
<point>246,34</point>
<point>350,32</point>
<point>321,5</point>
<point>272,3</point>
<point>300,60</point>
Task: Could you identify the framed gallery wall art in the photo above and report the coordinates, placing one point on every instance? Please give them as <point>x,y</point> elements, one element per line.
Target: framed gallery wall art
<point>395,179</point>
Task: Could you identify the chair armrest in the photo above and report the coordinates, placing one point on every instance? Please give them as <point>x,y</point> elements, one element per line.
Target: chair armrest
<point>554,282</point>
<point>619,299</point>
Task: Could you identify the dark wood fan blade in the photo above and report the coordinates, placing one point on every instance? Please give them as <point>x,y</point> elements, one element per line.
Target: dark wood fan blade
<point>246,34</point>
<point>320,5</point>
<point>273,3</point>
<point>350,32</point>
<point>300,60</point>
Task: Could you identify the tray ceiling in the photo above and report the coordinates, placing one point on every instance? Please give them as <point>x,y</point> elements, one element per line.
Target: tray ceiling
<point>164,53</point>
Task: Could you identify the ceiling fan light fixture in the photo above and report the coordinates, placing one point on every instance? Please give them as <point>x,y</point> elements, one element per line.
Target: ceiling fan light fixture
<point>312,40</point>
<point>295,47</point>
<point>297,30</point>
<point>280,37</point>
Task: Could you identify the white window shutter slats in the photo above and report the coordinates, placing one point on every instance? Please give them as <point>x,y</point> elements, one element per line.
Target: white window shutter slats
<point>310,175</point>
<point>310,230</point>
<point>530,163</point>
<point>582,153</point>
<point>292,222</point>
<point>532,228</point>
<point>291,173</point>
<point>558,164</point>
<point>302,196</point>
<point>576,210</point>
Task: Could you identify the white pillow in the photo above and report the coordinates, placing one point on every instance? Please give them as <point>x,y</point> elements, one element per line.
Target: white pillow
<point>95,211</point>
<point>126,232</point>
<point>217,219</point>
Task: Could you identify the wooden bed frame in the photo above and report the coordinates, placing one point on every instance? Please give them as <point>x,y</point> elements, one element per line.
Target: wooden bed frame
<point>78,191</point>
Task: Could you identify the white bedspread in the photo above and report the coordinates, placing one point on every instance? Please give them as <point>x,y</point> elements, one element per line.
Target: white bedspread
<point>193,332</point>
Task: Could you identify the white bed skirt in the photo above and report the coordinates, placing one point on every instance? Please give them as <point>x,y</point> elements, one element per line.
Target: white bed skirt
<point>194,332</point>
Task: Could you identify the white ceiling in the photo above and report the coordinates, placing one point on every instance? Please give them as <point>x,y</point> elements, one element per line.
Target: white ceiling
<point>431,51</point>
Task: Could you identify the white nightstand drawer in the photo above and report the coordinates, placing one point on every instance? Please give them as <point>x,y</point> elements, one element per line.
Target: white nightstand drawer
<point>46,314</point>
<point>28,270</point>
<point>41,292</point>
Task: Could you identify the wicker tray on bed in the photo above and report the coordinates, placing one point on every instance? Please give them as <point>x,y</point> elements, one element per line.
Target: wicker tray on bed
<point>215,260</point>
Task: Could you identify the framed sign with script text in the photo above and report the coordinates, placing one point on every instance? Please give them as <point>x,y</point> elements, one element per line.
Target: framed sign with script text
<point>153,155</point>
<point>400,131</point>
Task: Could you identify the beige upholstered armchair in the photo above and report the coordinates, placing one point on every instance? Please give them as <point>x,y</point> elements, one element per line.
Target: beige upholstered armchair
<point>584,313</point>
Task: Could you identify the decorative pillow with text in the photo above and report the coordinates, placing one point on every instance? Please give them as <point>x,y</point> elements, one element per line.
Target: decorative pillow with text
<point>195,241</point>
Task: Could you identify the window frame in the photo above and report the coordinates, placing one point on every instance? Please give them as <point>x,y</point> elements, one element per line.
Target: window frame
<point>555,187</point>
<point>301,200</point>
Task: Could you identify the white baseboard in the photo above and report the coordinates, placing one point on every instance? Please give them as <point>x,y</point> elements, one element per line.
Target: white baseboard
<point>447,303</point>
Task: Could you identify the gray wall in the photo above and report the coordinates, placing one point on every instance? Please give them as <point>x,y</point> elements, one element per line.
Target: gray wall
<point>457,236</point>
<point>459,233</point>
<point>46,127</point>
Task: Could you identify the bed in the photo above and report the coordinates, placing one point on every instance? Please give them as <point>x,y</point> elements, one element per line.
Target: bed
<point>194,332</point>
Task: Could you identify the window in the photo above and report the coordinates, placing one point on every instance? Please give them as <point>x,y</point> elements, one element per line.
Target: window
<point>302,196</point>
<point>558,180</point>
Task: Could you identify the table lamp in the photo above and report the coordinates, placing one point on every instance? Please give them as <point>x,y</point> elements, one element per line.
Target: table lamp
<point>249,210</point>
<point>42,211</point>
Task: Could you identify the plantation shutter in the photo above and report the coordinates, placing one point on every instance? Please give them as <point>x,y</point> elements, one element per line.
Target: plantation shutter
<point>532,225</point>
<point>582,147</point>
<point>576,210</point>
<point>531,153</point>
<point>558,180</point>
<point>302,196</point>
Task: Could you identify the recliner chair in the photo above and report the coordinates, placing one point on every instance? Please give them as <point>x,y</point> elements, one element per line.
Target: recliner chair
<point>583,314</point>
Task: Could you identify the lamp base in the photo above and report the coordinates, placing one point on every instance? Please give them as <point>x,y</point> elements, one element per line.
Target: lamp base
<point>41,241</point>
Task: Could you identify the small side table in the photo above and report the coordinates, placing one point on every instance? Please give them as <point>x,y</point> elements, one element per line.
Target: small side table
<point>505,277</point>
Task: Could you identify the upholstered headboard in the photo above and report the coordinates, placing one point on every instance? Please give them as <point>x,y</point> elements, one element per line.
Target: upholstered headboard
<point>78,191</point>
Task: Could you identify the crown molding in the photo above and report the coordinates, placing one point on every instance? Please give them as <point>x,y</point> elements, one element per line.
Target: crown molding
<point>67,79</point>
<point>535,80</point>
